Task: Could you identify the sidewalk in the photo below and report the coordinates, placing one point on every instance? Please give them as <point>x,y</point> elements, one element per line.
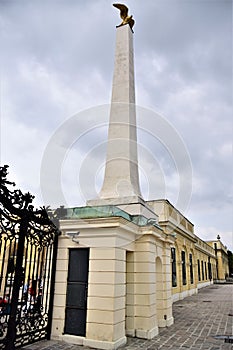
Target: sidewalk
<point>198,319</point>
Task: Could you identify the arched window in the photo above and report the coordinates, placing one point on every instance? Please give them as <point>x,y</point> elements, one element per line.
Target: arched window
<point>173,262</point>
<point>209,269</point>
<point>199,269</point>
<point>202,270</point>
<point>183,267</point>
<point>191,267</point>
<point>206,277</point>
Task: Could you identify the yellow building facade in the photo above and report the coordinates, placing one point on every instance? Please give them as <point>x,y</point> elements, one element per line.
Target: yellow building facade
<point>135,269</point>
<point>194,262</point>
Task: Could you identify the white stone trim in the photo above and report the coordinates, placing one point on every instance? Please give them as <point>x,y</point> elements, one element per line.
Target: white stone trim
<point>162,323</point>
<point>130,332</point>
<point>71,339</point>
<point>184,294</point>
<point>140,333</point>
<point>165,323</point>
<point>105,345</point>
<point>204,284</point>
<point>170,321</point>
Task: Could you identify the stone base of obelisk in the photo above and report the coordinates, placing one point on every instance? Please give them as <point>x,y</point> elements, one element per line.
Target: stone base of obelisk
<point>133,205</point>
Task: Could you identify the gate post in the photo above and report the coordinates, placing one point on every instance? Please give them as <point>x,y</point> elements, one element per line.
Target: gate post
<point>11,331</point>
<point>52,288</point>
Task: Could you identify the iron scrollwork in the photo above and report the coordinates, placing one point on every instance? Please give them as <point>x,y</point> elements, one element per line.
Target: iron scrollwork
<point>28,241</point>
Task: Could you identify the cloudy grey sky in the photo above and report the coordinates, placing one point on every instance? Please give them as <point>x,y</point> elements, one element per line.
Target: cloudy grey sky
<point>57,60</point>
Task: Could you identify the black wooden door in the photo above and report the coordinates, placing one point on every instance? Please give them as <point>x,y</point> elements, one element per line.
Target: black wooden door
<point>76,298</point>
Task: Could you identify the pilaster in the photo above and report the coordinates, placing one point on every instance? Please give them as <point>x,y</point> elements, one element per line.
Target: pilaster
<point>146,325</point>
<point>106,298</point>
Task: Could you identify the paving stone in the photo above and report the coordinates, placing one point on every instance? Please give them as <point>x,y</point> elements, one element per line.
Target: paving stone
<point>196,324</point>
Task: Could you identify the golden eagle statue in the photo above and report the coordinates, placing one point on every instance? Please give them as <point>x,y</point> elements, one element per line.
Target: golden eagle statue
<point>124,16</point>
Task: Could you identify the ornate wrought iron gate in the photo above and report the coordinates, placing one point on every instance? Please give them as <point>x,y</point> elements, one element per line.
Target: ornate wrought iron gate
<point>28,244</point>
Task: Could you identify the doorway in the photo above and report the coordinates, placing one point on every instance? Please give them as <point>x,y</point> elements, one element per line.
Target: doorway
<point>76,296</point>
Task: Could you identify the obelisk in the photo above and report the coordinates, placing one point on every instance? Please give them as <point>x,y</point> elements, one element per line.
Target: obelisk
<point>121,178</point>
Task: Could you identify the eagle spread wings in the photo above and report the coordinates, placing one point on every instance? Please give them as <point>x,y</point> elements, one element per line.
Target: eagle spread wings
<point>124,16</point>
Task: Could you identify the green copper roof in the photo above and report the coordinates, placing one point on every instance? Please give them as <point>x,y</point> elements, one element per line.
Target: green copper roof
<point>106,211</point>
<point>96,212</point>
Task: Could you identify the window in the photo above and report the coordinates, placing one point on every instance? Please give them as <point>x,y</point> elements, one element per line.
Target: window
<point>191,268</point>
<point>199,270</point>
<point>202,270</point>
<point>173,260</point>
<point>209,269</point>
<point>183,267</point>
<point>205,271</point>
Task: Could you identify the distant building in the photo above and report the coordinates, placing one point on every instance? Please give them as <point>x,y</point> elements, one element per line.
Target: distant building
<point>222,265</point>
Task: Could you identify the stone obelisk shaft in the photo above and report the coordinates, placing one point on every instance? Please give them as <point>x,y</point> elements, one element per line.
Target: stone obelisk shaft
<point>121,178</point>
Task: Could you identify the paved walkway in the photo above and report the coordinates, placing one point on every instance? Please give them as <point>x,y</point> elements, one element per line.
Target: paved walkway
<point>198,319</point>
